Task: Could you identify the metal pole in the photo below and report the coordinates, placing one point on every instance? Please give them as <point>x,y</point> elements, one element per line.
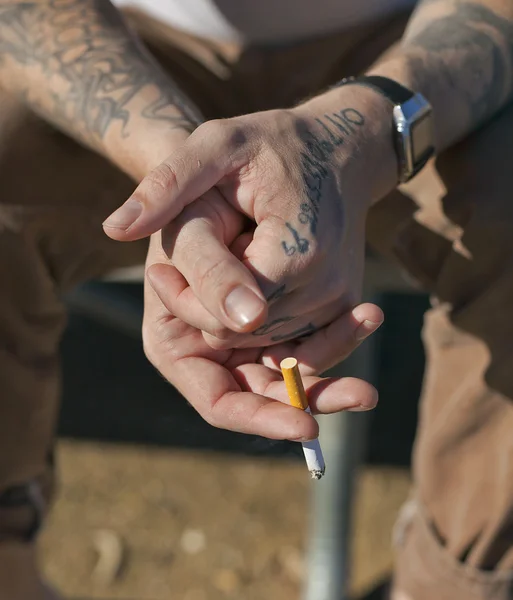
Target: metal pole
<point>343,443</point>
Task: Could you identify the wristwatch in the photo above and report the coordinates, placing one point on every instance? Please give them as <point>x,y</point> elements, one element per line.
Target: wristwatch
<point>412,122</point>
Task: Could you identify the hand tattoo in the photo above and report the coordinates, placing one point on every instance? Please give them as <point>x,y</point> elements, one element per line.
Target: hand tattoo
<point>268,328</point>
<point>336,129</point>
<point>278,293</point>
<point>304,331</point>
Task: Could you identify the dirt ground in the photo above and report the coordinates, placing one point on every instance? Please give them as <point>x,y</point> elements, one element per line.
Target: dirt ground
<point>142,523</point>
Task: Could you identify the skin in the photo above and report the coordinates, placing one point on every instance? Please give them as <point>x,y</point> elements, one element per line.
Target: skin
<point>77,65</point>
<point>307,198</point>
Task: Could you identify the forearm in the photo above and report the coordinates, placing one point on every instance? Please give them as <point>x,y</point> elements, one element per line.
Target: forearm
<point>459,55</point>
<point>78,65</point>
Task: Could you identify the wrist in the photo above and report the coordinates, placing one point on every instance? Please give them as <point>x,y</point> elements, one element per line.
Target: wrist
<point>362,119</point>
<point>144,149</point>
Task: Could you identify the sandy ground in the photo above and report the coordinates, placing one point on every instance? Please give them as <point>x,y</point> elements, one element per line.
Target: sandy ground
<point>141,523</point>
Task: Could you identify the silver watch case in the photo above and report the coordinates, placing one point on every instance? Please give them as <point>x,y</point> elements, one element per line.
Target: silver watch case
<point>413,121</point>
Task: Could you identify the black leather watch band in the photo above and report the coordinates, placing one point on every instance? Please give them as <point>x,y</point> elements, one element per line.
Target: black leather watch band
<point>412,122</point>
<point>395,92</point>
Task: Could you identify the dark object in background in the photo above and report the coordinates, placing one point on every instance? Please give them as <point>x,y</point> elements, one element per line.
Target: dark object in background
<point>112,393</point>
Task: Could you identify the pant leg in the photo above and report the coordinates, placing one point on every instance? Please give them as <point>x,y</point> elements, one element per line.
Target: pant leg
<point>452,230</point>
<point>54,195</point>
<point>454,540</point>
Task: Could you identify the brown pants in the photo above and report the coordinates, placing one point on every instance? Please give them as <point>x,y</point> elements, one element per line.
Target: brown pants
<point>452,229</point>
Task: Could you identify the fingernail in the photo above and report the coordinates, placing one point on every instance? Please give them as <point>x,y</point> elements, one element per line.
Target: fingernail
<point>243,306</point>
<point>365,329</point>
<point>362,408</point>
<point>125,216</point>
<point>305,440</point>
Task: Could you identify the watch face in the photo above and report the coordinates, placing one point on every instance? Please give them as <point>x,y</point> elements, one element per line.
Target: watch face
<point>421,133</point>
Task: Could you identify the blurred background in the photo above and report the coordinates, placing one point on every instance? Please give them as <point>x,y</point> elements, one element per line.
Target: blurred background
<point>155,504</point>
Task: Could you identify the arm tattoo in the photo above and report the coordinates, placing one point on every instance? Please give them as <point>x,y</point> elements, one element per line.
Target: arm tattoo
<point>334,130</point>
<point>91,66</point>
<point>472,51</point>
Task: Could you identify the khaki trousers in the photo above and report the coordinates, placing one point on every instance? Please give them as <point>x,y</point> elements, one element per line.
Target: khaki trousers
<point>451,228</point>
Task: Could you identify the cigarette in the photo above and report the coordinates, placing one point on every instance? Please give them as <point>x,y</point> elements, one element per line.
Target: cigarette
<point>297,395</point>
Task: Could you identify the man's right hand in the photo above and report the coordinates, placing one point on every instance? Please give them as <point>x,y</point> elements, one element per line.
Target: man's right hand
<point>242,390</point>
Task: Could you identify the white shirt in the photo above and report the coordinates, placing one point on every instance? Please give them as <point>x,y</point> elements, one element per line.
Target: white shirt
<point>263,21</point>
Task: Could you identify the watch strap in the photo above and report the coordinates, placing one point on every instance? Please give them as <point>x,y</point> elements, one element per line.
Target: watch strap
<point>395,92</point>
<point>398,95</point>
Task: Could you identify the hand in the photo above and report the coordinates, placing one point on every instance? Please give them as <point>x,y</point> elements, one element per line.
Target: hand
<point>296,174</point>
<point>242,390</point>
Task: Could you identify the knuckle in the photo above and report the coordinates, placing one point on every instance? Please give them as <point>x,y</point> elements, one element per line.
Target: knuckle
<point>237,136</point>
<point>211,416</point>
<point>210,276</point>
<point>229,133</point>
<point>158,342</point>
<point>223,336</point>
<point>161,179</point>
<point>220,344</point>
<point>215,127</point>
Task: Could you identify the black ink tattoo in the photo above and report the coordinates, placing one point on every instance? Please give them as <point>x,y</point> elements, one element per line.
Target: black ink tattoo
<point>267,328</point>
<point>335,130</point>
<point>481,42</point>
<point>301,244</point>
<point>298,333</point>
<point>93,67</point>
<point>278,293</point>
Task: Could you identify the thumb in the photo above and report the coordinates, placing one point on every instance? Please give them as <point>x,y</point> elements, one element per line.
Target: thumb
<point>204,159</point>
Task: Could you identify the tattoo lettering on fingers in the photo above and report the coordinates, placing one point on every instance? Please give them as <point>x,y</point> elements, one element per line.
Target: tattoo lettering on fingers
<point>335,130</point>
<point>300,245</point>
<point>267,328</point>
<point>278,293</point>
<point>298,333</point>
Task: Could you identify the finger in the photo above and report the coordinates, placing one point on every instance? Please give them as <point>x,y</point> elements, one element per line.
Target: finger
<point>325,395</point>
<point>218,398</point>
<point>177,296</point>
<point>239,245</point>
<point>292,324</point>
<point>197,246</point>
<point>280,326</point>
<point>330,395</point>
<point>331,344</point>
<point>179,299</point>
<point>179,352</point>
<point>209,154</point>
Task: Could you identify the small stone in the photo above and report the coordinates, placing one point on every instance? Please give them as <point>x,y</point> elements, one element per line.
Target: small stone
<point>193,541</point>
<point>110,550</point>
